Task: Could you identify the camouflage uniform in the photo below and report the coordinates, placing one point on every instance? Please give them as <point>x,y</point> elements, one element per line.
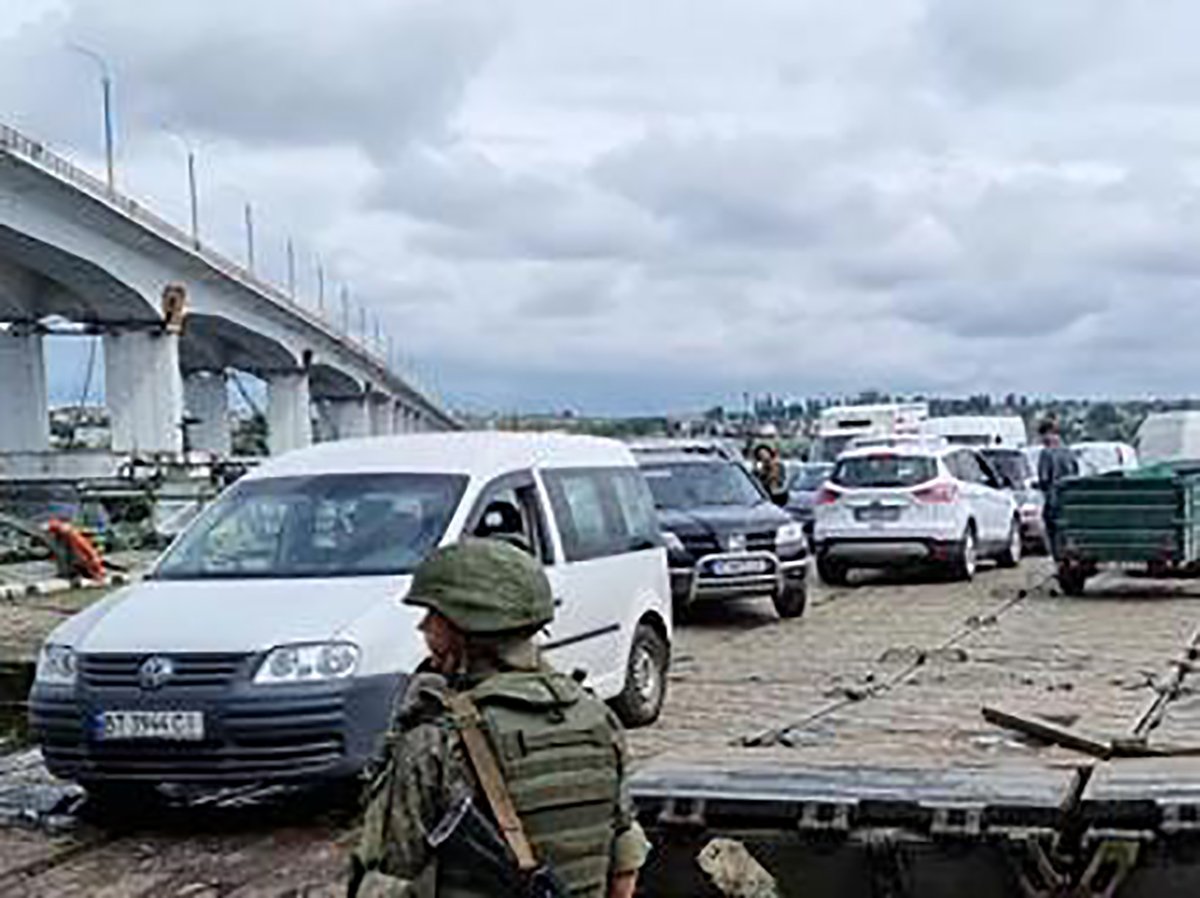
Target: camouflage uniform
<point>562,751</point>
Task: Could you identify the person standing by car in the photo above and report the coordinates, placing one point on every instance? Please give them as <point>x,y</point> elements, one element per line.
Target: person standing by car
<point>1055,464</point>
<point>498,770</point>
<point>768,468</point>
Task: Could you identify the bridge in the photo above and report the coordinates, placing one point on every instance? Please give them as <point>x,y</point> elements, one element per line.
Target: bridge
<point>176,319</point>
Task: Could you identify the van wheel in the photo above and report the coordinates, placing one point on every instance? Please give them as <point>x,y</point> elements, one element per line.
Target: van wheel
<point>1011,556</point>
<point>645,679</point>
<point>965,560</point>
<point>792,600</point>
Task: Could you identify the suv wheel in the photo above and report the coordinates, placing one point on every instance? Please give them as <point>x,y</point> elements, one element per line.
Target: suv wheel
<point>645,679</point>
<point>791,600</point>
<point>1011,556</point>
<point>832,572</point>
<point>966,556</point>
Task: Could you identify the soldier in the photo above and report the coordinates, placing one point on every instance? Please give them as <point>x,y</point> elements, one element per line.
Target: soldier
<point>556,753</point>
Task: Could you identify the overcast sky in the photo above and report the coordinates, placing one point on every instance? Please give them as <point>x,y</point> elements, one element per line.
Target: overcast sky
<point>638,204</point>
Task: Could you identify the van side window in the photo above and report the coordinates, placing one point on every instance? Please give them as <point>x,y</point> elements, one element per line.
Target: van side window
<point>510,509</point>
<point>579,506</point>
<point>602,511</point>
<point>635,505</point>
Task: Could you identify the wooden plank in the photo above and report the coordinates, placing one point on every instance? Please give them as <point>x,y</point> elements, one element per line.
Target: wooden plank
<point>1048,732</point>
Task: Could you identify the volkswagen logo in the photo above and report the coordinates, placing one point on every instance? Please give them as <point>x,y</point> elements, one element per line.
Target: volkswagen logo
<point>155,671</point>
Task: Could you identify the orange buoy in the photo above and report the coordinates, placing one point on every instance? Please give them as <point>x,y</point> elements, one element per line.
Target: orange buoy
<point>84,556</point>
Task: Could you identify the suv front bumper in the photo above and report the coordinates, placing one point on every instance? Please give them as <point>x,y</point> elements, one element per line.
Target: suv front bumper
<point>702,582</point>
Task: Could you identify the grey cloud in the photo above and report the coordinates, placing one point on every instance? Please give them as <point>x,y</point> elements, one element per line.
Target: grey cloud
<point>470,207</point>
<point>277,72</point>
<point>1009,309</point>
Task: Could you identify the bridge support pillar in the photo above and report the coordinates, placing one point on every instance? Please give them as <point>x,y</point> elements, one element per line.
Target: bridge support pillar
<point>23,402</point>
<point>289,421</point>
<point>206,397</point>
<point>397,410</point>
<point>144,391</point>
<point>350,417</point>
<point>381,415</point>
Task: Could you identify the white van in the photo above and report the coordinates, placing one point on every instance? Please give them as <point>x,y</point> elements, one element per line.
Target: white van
<point>1100,457</point>
<point>269,640</point>
<point>1169,436</point>
<point>979,431</point>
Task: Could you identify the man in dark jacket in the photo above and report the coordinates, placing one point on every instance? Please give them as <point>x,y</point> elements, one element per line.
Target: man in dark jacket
<point>1055,464</point>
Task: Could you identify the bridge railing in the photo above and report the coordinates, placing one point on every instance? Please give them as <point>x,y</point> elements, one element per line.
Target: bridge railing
<point>36,152</point>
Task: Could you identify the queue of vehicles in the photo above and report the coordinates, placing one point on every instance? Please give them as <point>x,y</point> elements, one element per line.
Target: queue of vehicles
<point>902,478</point>
<point>269,640</point>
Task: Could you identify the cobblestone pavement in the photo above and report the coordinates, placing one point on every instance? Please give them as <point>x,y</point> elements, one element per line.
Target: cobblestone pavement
<point>882,673</point>
<point>1006,639</point>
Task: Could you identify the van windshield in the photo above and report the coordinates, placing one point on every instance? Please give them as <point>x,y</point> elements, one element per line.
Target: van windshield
<point>332,525</point>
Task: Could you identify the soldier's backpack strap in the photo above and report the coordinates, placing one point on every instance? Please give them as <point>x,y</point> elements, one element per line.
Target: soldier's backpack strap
<point>491,779</point>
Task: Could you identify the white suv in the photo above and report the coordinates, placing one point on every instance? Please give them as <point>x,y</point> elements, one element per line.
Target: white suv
<point>914,502</point>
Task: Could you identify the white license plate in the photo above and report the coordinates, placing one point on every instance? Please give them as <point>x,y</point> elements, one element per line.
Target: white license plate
<point>179,726</point>
<point>878,514</point>
<point>737,567</point>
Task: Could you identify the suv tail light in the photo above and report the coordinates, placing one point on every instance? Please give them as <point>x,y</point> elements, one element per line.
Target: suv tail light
<point>937,494</point>
<point>826,496</point>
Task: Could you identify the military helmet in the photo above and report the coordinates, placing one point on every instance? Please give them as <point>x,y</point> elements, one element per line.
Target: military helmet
<point>483,586</point>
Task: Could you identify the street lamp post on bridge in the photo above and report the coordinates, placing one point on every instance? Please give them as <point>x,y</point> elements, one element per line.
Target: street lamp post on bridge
<point>193,197</point>
<point>106,92</point>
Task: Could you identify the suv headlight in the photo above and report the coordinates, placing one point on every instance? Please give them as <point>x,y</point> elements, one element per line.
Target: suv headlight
<point>308,663</point>
<point>790,534</point>
<point>56,665</point>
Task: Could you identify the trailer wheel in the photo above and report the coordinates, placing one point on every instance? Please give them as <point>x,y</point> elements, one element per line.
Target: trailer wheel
<point>1072,579</point>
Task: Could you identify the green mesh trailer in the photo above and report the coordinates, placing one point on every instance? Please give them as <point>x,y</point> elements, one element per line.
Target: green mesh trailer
<point>1149,518</point>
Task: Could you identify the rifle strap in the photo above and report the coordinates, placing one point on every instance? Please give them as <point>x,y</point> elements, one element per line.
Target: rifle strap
<point>491,779</point>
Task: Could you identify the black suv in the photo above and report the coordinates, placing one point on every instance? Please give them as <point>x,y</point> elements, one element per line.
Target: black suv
<point>725,538</point>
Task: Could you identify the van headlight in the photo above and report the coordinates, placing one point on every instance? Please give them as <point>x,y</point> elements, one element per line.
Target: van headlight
<point>56,665</point>
<point>308,663</point>
<point>791,535</point>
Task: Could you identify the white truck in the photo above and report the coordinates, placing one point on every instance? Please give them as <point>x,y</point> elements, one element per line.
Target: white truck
<point>1169,436</point>
<point>980,431</point>
<point>839,425</point>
